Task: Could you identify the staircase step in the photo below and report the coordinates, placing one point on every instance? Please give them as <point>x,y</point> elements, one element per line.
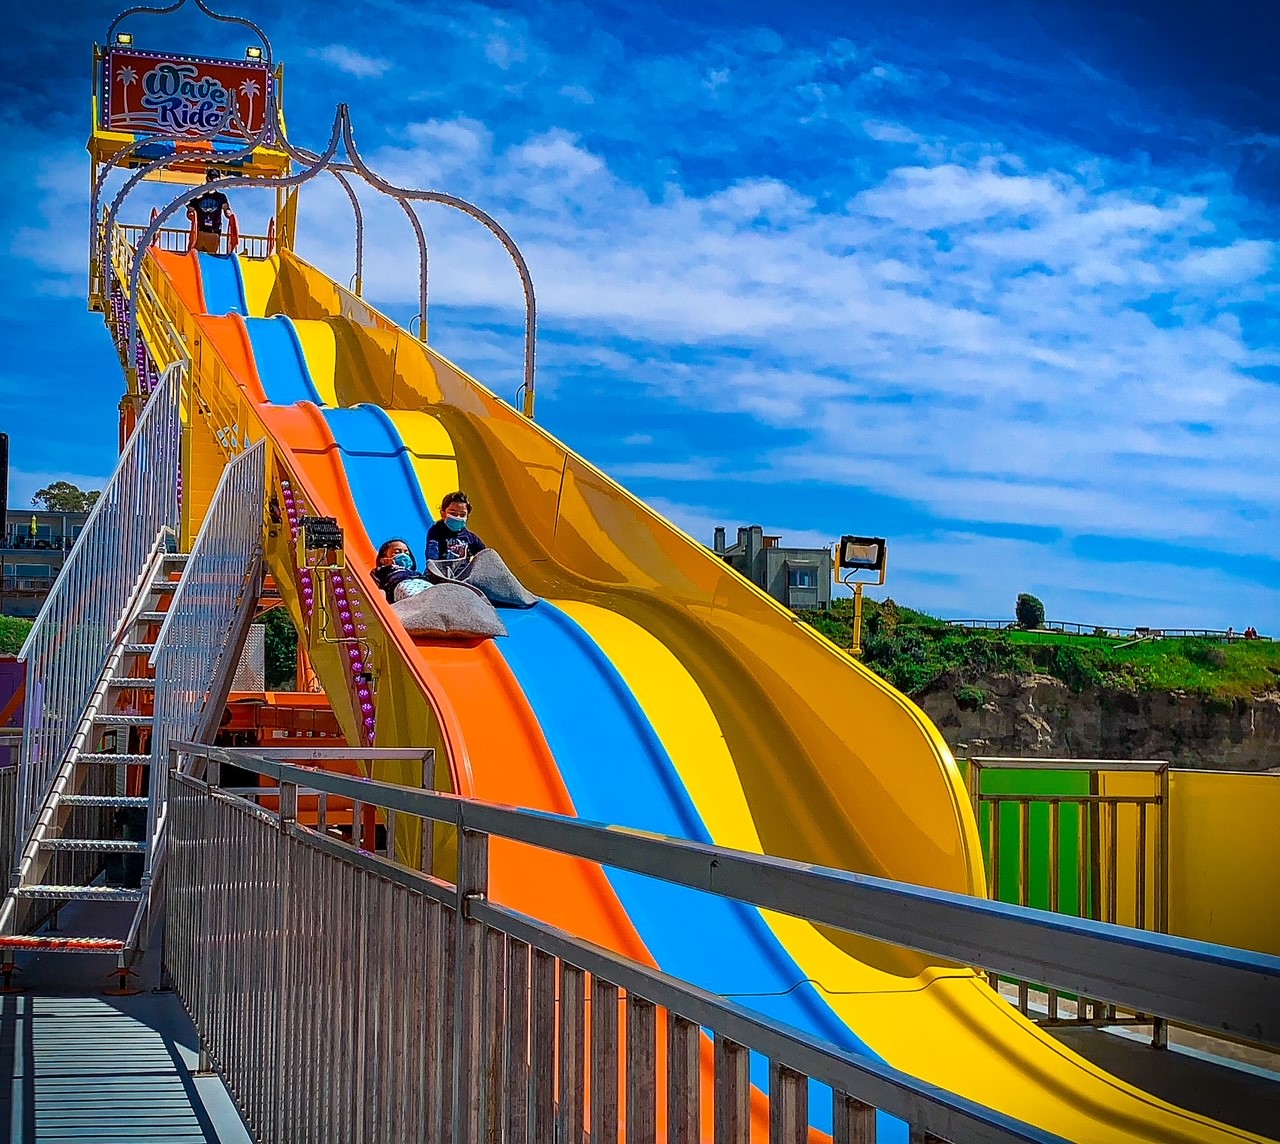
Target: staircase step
<point>123,801</point>
<point>95,845</point>
<point>125,720</point>
<point>176,557</point>
<point>164,585</point>
<point>139,648</point>
<point>110,758</point>
<point>140,683</point>
<point>62,944</point>
<point>81,893</point>
<point>151,617</point>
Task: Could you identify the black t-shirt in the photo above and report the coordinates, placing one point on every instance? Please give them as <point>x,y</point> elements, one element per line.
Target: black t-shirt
<point>209,208</point>
<point>445,544</point>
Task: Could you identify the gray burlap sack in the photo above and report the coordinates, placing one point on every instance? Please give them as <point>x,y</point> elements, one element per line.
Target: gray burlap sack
<point>449,610</point>
<point>487,571</point>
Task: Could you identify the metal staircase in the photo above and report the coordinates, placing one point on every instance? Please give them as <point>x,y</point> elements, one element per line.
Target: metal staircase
<point>93,776</point>
<point>89,840</point>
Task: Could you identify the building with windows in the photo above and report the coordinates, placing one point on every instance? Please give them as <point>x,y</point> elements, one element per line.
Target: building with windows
<point>33,548</point>
<point>797,577</point>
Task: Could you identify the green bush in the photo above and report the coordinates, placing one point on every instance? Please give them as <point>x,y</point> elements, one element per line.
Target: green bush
<point>1029,611</point>
<point>1077,667</point>
<point>13,631</point>
<point>970,698</point>
<point>1205,654</point>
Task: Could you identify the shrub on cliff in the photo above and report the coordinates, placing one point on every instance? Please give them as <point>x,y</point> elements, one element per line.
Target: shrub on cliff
<point>1029,611</point>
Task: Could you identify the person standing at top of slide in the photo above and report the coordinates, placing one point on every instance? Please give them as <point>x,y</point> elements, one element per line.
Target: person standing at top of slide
<point>206,213</point>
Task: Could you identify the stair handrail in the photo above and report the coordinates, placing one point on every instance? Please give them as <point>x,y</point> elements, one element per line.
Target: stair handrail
<point>219,575</point>
<point>67,647</point>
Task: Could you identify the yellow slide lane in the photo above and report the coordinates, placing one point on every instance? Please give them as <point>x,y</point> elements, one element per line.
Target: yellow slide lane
<point>944,1026</point>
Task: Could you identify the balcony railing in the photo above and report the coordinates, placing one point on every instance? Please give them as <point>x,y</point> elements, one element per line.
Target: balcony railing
<point>178,239</point>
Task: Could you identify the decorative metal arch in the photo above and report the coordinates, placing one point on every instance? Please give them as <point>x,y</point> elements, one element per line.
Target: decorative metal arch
<point>144,9</point>
<point>468,208</point>
<point>209,159</point>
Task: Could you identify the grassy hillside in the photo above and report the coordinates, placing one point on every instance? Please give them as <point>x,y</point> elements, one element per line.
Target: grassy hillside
<point>913,650</point>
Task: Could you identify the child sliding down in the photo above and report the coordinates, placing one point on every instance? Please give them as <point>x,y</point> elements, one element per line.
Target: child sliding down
<point>396,572</point>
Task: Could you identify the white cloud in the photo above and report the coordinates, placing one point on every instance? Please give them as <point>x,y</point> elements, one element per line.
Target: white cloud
<point>1010,376</point>
<point>352,62</point>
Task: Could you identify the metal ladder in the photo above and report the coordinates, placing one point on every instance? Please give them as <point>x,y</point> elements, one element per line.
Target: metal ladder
<point>66,859</point>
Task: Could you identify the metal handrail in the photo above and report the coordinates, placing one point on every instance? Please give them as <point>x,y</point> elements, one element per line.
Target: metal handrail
<point>1018,763</point>
<point>175,239</point>
<point>1067,627</point>
<point>484,1023</point>
<point>1195,983</point>
<point>193,636</point>
<point>69,643</point>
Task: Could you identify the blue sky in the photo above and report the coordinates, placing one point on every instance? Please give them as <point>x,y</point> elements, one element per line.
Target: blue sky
<point>996,281</point>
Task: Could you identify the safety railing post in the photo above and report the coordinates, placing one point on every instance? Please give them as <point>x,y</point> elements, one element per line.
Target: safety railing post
<point>473,885</point>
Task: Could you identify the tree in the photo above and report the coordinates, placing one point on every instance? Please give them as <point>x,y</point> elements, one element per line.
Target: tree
<point>1029,611</point>
<point>62,496</point>
<point>281,648</point>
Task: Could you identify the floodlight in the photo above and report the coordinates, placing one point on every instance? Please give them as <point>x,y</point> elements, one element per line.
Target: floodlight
<point>124,39</point>
<point>320,543</point>
<point>856,554</point>
<point>253,53</point>
<point>861,553</point>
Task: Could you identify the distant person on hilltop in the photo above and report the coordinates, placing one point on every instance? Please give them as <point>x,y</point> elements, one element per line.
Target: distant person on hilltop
<point>206,213</point>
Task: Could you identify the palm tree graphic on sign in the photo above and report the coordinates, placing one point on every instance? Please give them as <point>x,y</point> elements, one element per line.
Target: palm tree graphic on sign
<point>125,77</point>
<point>250,88</point>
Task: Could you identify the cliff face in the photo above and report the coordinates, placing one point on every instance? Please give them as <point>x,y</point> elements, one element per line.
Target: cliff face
<point>1037,715</point>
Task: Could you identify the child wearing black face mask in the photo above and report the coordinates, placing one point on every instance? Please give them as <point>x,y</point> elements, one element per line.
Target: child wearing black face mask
<point>450,538</point>
<point>396,571</point>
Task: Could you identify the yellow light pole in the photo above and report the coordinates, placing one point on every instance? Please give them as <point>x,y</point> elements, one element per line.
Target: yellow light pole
<point>856,554</point>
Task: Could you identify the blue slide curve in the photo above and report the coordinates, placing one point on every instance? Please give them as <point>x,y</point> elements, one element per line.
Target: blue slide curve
<point>282,366</point>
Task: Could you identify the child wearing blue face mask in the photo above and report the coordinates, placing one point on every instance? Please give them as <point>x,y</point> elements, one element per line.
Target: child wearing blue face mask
<point>396,571</point>
<point>450,538</point>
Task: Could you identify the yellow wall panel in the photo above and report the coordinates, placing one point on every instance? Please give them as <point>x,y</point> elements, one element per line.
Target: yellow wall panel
<point>1224,852</point>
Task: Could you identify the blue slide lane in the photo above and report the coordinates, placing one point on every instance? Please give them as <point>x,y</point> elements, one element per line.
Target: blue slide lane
<point>380,475</point>
<point>615,769</point>
<point>282,366</point>
<point>223,285</point>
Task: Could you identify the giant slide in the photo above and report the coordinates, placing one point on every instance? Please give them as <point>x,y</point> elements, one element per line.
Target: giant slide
<point>652,688</point>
